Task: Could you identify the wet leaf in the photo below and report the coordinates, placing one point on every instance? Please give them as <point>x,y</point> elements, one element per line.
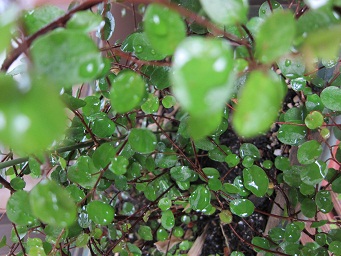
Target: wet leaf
<point>330,97</point>
<point>18,209</point>
<point>220,11</point>
<point>151,105</point>
<point>82,240</point>
<point>242,207</point>
<point>181,173</point>
<point>309,152</point>
<point>103,155</point>
<point>248,149</point>
<point>100,212</point>
<point>142,140</point>
<point>292,232</point>
<point>167,219</point>
<point>81,59</point>
<point>265,10</point>
<point>17,183</point>
<point>127,91</point>
<point>291,66</point>
<point>72,102</point>
<point>292,134</point>
<point>145,232</point>
<point>75,192</point>
<point>200,198</point>
<point>308,207</point>
<point>168,101</point>
<point>158,76</point>
<point>323,201</point>
<point>107,30</point>
<point>119,165</point>
<point>336,185</point>
<point>52,204</point>
<point>84,21</point>
<point>256,111</point>
<point>335,247</point>
<point>314,173</point>
<point>267,50</point>
<point>276,234</point>
<point>314,119</point>
<point>225,217</point>
<point>314,102</point>
<point>256,180</point>
<point>232,160</point>
<point>101,125</point>
<point>261,242</point>
<point>164,28</point>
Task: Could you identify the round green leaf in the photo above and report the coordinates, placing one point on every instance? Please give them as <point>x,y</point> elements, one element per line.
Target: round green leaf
<point>238,183</point>
<point>230,188</point>
<point>214,184</point>
<point>335,247</point>
<point>18,209</point>
<point>206,57</point>
<point>308,207</point>
<point>276,234</point>
<point>103,155</point>
<point>292,134</point>
<point>168,101</point>
<point>17,183</point>
<point>248,149</point>
<point>330,97</point>
<point>151,105</point>
<point>84,172</point>
<point>181,173</point>
<point>139,44</point>
<point>142,140</point>
<point>102,126</point>
<point>145,232</point>
<point>200,198</point>
<point>314,102</point>
<point>265,10</point>
<point>309,152</point>
<point>292,232</point>
<point>219,153</point>
<point>324,201</point>
<point>260,242</point>
<point>232,160</point>
<point>225,217</point>
<point>82,240</point>
<point>24,115</point>
<point>119,165</point>
<point>80,58</point>
<point>167,219</point>
<point>100,212</point>
<point>161,234</point>
<point>52,204</point>
<point>85,21</point>
<point>256,180</point>
<point>242,207</point>
<point>36,19</point>
<point>127,91</point>
<point>158,76</point>
<point>292,175</point>
<point>314,120</point>
<point>220,11</point>
<point>76,193</point>
<point>164,203</point>
<point>267,50</point>
<point>314,173</point>
<point>291,66</point>
<point>164,28</point>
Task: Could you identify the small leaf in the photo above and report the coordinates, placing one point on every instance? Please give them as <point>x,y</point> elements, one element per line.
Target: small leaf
<point>336,185</point>
<point>36,19</point>
<point>314,102</point>
<point>248,149</point>
<point>100,212</point>
<point>103,155</point>
<point>265,10</point>
<point>242,207</point>
<point>308,207</point>
<point>82,240</point>
<point>3,241</point>
<point>151,105</point>
<point>256,180</point>
<point>52,204</point>
<point>232,160</point>
<point>101,125</point>
<point>276,234</point>
<point>72,102</point>
<point>80,57</point>
<point>314,173</point>
<point>261,242</point>
<point>142,140</point>
<point>335,247</point>
<point>323,201</point>
<point>225,217</point>
<point>18,209</point>
<point>292,66</point>
<point>256,111</point>
<point>127,91</point>
<point>314,119</point>
<point>75,192</point>
<point>17,183</point>
<point>119,165</point>
<point>145,232</point>
<point>292,134</point>
<point>181,173</point>
<point>107,30</point>
<point>168,101</point>
<point>309,152</point>
<point>267,50</point>
<point>292,232</point>
<point>164,203</point>
<point>84,21</point>
<point>200,198</point>
<point>164,28</point>
<point>330,97</point>
<point>167,219</point>
<point>220,11</point>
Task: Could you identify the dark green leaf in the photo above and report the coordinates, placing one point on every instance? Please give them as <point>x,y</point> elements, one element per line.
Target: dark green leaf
<point>336,185</point>
<point>291,66</point>
<point>145,232</point>
<point>256,180</point>
<point>248,149</point>
<point>142,140</point>
<point>314,102</point>
<point>309,152</point>
<point>324,201</point>
<point>181,173</point>
<point>72,102</point>
<point>103,155</point>
<point>164,28</point>
<point>335,247</point>
<point>52,204</point>
<point>102,126</point>
<point>292,134</point>
<point>167,219</point>
<point>100,212</point>
<point>277,234</point>
<point>308,207</point>
<point>292,232</point>
<point>260,242</point>
<point>200,198</point>
<point>314,173</point>
<point>119,165</point>
<point>242,207</point>
<point>232,160</point>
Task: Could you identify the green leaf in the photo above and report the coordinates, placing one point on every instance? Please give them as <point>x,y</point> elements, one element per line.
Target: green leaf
<point>142,140</point>
<point>3,241</point>
<point>140,46</point>
<point>72,102</point>
<point>276,234</point>
<point>164,28</point>
<point>291,66</point>
<point>220,11</point>
<point>214,184</point>
<point>84,21</point>
<point>292,232</point>
<point>292,176</point>
<point>314,119</point>
<point>267,50</point>
<point>256,180</point>
<point>199,127</point>
<point>314,173</point>
<point>75,192</point>
<point>83,172</point>
<point>119,165</point>
<point>206,57</point>
<point>107,30</point>
<point>242,207</point>
<point>336,185</point>
<point>219,153</point>
<point>330,97</point>
<point>101,125</point>
<point>36,19</point>
<point>167,219</point>
<point>261,242</point>
<point>232,160</point>
<point>127,91</point>
<point>256,111</point>
<point>324,201</point>
<point>103,155</point>
<point>308,207</point>
<point>24,115</point>
<point>314,102</point>
<point>93,105</point>
<point>168,101</point>
<point>164,204</point>
<point>18,209</point>
<point>151,105</point>
<point>265,10</point>
<point>335,247</point>
<point>181,173</point>
<point>17,183</point>
<point>82,240</point>
<point>145,232</point>
<point>248,149</point>
<point>80,58</point>
<point>292,134</point>
<point>309,152</point>
<point>158,76</point>
<point>52,204</point>
<point>225,217</point>
<point>200,198</point>
<point>230,188</point>
<point>238,183</point>
<point>100,212</point>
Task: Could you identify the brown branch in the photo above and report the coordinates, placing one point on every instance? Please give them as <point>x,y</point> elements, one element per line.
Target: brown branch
<point>60,22</point>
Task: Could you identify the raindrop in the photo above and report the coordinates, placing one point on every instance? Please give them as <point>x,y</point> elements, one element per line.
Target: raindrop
<point>287,63</point>
<point>88,69</point>
<point>123,12</point>
<point>138,48</point>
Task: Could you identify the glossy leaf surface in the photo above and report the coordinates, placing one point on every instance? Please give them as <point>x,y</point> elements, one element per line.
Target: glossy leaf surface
<point>200,198</point>
<point>256,180</point>
<point>242,207</point>
<point>100,212</point>
<point>309,152</point>
<point>330,97</point>
<point>142,140</point>
<point>18,209</point>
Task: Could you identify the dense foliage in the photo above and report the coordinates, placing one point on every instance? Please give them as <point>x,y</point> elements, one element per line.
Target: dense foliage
<point>122,169</point>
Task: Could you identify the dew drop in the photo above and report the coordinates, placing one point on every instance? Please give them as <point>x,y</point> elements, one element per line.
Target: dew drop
<point>88,69</point>
<point>263,11</point>
<point>287,63</point>
<point>138,48</point>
